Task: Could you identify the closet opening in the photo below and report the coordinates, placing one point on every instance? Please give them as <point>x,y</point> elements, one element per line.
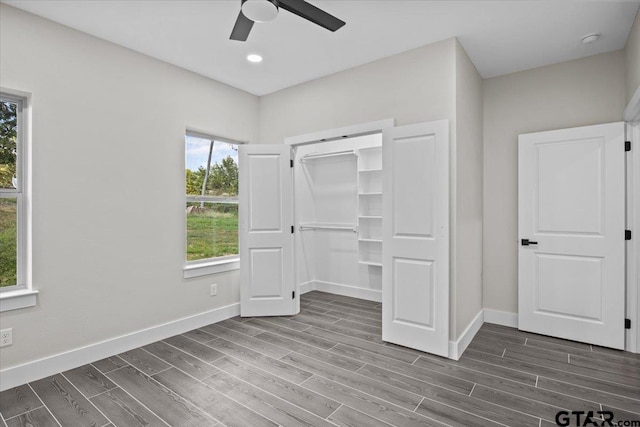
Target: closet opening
<point>338,216</point>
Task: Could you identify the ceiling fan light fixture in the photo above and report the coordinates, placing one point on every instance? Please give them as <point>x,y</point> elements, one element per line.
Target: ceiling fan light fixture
<point>260,10</point>
<point>590,38</point>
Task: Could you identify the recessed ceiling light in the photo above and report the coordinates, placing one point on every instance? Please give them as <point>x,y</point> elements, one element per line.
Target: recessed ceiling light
<point>590,38</point>
<point>254,58</point>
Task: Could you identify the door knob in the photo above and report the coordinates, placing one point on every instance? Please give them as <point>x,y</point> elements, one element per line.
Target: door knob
<point>527,242</point>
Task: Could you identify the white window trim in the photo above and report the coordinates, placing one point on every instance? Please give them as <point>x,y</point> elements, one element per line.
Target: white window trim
<point>22,295</point>
<point>215,265</point>
<point>14,300</point>
<point>211,266</point>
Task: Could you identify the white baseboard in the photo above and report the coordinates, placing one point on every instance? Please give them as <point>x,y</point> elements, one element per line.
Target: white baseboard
<point>456,348</point>
<point>348,291</point>
<point>503,318</point>
<point>31,371</point>
<point>306,287</point>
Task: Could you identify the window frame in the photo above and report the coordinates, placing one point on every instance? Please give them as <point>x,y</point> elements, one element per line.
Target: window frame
<point>21,294</point>
<point>207,266</point>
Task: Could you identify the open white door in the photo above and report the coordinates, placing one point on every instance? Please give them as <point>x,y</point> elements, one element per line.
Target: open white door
<point>571,208</point>
<point>415,261</point>
<point>266,220</point>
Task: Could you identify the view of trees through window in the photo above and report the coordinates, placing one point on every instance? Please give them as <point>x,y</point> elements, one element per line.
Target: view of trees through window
<point>212,198</point>
<point>8,201</point>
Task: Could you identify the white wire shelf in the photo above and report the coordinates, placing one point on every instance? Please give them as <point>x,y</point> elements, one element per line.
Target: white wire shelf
<point>336,227</point>
<point>314,156</point>
<point>372,263</point>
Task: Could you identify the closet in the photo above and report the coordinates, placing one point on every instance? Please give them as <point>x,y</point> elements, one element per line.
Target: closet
<point>338,216</point>
<point>362,214</point>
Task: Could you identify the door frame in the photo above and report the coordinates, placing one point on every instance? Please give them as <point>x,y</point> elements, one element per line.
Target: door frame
<point>632,119</point>
<point>609,330</point>
<point>360,129</point>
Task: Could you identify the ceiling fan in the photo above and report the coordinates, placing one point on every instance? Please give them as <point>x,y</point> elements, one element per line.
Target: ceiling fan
<point>266,10</point>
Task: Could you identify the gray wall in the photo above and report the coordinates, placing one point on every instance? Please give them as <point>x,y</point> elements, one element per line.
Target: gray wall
<point>468,194</point>
<point>574,93</point>
<point>632,52</point>
<point>108,180</point>
<point>412,87</point>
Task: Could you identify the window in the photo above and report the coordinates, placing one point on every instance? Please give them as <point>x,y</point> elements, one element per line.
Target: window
<point>13,206</point>
<point>10,193</point>
<point>211,181</point>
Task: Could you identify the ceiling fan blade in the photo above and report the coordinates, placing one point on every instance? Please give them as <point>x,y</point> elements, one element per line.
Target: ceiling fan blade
<point>242,28</point>
<point>312,13</point>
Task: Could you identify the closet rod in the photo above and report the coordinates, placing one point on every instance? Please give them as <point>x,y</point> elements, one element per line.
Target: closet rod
<point>334,154</point>
<point>328,227</point>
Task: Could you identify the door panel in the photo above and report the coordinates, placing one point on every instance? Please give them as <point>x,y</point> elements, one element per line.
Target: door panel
<point>266,242</point>
<point>580,283</point>
<point>264,183</point>
<point>569,180</point>
<point>571,204</point>
<point>413,165</point>
<point>415,288</point>
<point>413,305</point>
<point>266,265</point>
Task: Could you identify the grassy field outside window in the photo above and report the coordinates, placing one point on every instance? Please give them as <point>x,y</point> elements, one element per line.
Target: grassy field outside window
<point>212,231</point>
<point>8,242</point>
<point>211,180</point>
<point>9,192</point>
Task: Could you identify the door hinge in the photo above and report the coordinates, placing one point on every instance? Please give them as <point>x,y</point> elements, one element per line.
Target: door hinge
<point>627,146</point>
<point>627,234</point>
<point>291,162</point>
<point>293,229</point>
<point>627,323</point>
<point>293,294</point>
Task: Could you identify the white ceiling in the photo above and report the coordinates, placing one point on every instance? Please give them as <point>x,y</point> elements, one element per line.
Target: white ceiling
<point>500,36</point>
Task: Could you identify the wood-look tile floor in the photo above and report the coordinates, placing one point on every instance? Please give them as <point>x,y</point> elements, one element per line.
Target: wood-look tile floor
<point>328,366</point>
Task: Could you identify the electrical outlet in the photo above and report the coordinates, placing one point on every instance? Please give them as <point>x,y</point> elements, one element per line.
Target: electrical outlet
<point>214,289</point>
<point>6,337</point>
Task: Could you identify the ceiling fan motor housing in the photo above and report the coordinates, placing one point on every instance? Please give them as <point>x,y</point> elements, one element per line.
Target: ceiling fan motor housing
<point>260,10</point>
<point>266,10</point>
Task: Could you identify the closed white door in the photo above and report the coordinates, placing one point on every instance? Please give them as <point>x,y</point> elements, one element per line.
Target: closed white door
<point>572,238</point>
<point>415,261</point>
<point>266,239</point>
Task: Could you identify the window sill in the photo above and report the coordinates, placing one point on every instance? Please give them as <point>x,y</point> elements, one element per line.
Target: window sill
<point>14,300</point>
<point>211,267</point>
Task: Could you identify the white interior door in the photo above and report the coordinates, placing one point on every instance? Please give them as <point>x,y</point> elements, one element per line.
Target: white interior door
<point>266,220</point>
<point>415,260</point>
<point>572,212</point>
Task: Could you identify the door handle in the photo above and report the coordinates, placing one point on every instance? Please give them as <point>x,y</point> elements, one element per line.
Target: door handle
<point>527,242</point>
